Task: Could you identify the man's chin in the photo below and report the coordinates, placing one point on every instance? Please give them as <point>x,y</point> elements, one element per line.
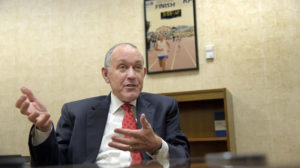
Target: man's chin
<point>129,97</point>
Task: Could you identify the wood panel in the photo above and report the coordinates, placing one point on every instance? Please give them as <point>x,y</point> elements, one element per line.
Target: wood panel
<point>197,117</point>
<point>197,110</point>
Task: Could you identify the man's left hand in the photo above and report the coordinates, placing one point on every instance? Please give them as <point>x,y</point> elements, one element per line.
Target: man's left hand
<point>141,140</point>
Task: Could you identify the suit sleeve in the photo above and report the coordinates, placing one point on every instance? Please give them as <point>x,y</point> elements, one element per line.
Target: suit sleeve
<point>177,141</point>
<point>53,150</point>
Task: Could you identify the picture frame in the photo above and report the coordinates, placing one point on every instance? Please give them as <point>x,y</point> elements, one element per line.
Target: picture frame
<point>171,36</point>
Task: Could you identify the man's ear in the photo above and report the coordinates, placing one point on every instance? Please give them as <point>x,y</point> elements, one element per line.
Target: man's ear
<point>145,71</point>
<point>105,74</point>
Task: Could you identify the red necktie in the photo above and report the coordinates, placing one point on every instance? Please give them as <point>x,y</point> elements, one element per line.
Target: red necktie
<point>129,122</point>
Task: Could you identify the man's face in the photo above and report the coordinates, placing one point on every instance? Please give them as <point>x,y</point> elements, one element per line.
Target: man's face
<point>126,73</point>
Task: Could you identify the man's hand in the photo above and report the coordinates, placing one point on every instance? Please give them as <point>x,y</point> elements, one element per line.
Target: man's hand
<point>142,140</point>
<point>35,111</point>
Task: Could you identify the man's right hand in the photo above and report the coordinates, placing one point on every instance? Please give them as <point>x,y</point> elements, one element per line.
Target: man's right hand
<point>35,111</point>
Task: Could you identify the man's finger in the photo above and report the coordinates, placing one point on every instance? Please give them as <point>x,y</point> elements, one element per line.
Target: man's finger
<point>28,93</point>
<point>42,119</point>
<point>20,101</point>
<point>24,108</point>
<point>128,132</point>
<point>119,146</point>
<point>123,140</point>
<point>144,122</point>
<point>49,123</point>
<point>44,126</point>
<point>33,116</point>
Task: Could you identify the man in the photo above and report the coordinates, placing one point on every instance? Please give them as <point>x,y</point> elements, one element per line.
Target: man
<point>92,130</point>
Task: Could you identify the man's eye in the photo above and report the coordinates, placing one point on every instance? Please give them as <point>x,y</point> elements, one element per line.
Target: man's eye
<point>122,67</point>
<point>138,67</point>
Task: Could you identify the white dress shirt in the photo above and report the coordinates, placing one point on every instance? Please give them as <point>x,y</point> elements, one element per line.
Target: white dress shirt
<point>107,155</point>
<point>112,156</point>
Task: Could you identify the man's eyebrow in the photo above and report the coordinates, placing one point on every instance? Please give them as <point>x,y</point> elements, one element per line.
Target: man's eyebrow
<point>121,61</point>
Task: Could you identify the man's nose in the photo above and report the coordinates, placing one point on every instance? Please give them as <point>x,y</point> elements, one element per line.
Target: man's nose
<point>131,73</point>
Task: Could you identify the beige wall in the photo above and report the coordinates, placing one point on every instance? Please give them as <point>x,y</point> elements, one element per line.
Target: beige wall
<point>57,47</point>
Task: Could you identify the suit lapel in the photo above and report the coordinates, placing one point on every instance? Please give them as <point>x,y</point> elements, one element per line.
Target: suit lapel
<point>96,121</point>
<point>97,118</point>
<point>144,106</point>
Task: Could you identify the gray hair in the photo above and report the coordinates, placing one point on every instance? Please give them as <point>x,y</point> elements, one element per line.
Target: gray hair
<point>111,50</point>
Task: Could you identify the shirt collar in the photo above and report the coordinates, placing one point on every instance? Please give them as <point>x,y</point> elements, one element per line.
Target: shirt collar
<point>116,103</point>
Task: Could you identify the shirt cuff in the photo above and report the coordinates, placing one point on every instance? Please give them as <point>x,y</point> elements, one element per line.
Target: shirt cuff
<point>38,137</point>
<point>162,155</point>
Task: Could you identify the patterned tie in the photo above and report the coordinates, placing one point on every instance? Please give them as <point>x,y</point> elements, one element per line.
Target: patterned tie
<point>129,122</point>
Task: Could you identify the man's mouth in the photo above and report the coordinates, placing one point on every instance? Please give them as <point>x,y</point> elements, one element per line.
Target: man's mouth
<point>131,85</point>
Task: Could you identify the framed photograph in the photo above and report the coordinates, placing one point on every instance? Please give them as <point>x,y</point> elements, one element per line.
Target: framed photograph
<point>171,38</point>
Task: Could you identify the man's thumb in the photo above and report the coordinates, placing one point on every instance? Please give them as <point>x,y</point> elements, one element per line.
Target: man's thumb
<point>144,122</point>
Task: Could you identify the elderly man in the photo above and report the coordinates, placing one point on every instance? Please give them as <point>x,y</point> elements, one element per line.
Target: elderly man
<point>127,125</point>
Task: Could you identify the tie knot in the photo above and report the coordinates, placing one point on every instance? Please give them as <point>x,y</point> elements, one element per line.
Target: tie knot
<point>126,107</point>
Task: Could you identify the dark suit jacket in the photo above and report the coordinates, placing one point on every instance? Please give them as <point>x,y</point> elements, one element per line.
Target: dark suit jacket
<point>81,126</point>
